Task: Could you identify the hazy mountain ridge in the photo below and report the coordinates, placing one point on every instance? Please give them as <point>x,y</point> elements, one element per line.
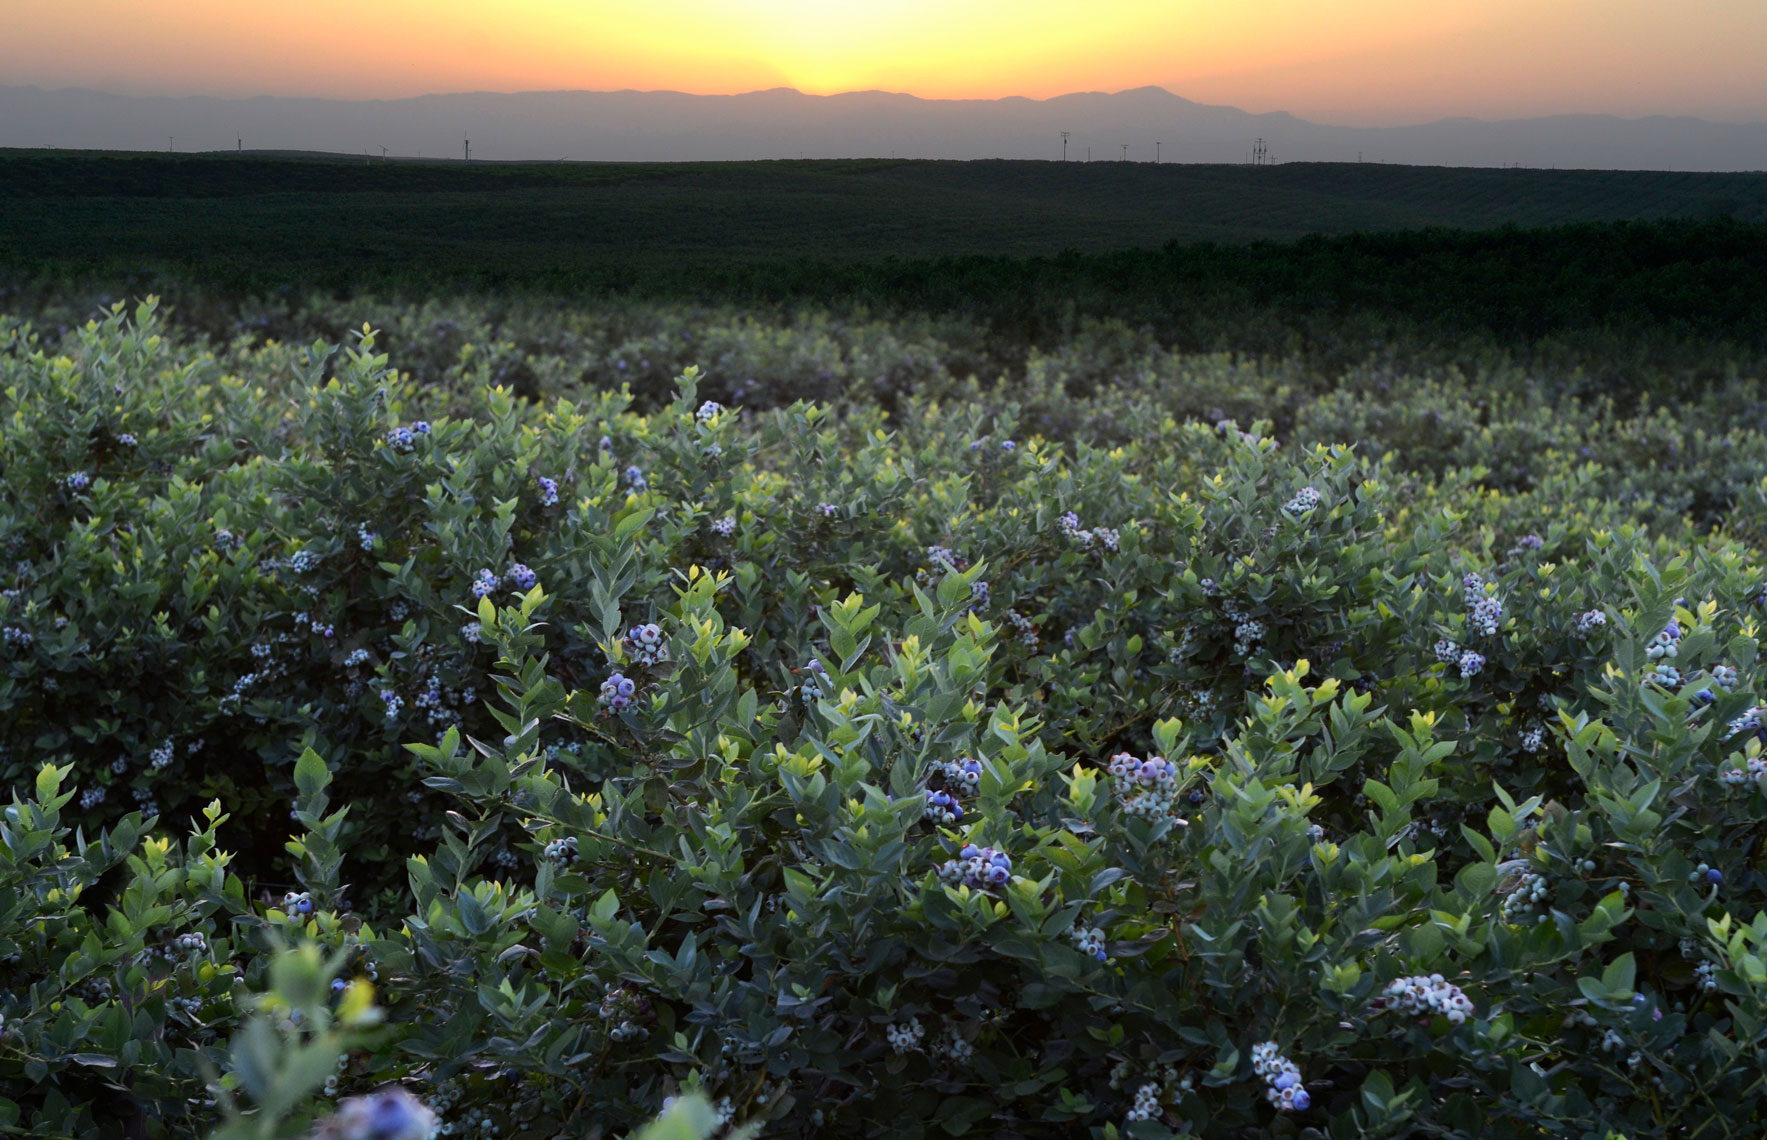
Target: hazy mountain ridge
<point>783,123</point>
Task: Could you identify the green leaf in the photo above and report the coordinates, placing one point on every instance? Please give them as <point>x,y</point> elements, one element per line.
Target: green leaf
<point>311,775</point>
<point>631,524</point>
<point>1476,880</point>
<point>48,783</point>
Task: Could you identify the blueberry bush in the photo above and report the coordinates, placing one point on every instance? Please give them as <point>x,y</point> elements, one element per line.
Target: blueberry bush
<point>1002,762</point>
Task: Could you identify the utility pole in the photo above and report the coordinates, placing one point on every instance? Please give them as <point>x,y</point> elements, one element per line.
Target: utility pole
<point>169,141</point>
<point>1125,147</point>
<point>467,144</point>
<point>1156,153</point>
<point>1064,146</point>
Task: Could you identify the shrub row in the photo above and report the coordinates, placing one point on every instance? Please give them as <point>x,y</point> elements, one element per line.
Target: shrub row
<point>871,772</point>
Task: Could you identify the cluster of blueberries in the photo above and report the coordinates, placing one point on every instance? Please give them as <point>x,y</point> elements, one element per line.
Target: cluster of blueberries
<point>1102,537</point>
<point>1089,940</point>
<point>1753,721</point>
<point>958,777</point>
<point>1247,630</point>
<point>1484,611</point>
<point>1147,1103</point>
<point>548,491</point>
<point>977,867</point>
<point>561,852</point>
<point>519,576</point>
<point>616,692</point>
<point>1528,898</point>
<point>1429,993</point>
<point>1147,788</point>
<point>724,527</point>
<point>1470,662</point>
<point>1306,499</point>
<point>388,1114</point>
<point>942,807</point>
<point>708,411</point>
<point>1590,623</point>
<point>1665,644</point>
<point>811,689</point>
<point>1754,768</point>
<point>644,644</point>
<point>1663,675</point>
<point>297,902</point>
<point>1705,874</point>
<point>405,438</point>
<point>906,1037</point>
<point>1281,1077</point>
<point>625,1009</point>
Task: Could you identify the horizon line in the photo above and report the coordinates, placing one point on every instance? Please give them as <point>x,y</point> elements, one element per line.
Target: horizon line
<point>786,90</point>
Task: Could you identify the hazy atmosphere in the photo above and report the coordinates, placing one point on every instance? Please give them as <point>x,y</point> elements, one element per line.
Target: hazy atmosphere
<point>1142,125</point>
<point>1314,69</point>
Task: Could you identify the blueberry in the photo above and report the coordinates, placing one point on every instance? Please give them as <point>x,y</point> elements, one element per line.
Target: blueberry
<point>394,1114</point>
<point>1714,876</point>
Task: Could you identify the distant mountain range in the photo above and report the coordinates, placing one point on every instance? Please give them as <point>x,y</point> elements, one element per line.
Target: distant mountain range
<point>670,126</point>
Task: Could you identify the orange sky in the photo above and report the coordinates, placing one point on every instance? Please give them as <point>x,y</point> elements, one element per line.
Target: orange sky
<point>1346,61</point>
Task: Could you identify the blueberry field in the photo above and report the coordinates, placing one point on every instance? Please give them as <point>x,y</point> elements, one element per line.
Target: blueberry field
<point>495,722</point>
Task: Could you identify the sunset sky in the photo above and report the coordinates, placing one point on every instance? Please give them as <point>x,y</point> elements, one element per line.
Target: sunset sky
<point>1364,62</point>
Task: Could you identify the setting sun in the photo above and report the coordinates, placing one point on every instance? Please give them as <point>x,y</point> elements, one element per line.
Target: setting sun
<point>1365,61</point>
